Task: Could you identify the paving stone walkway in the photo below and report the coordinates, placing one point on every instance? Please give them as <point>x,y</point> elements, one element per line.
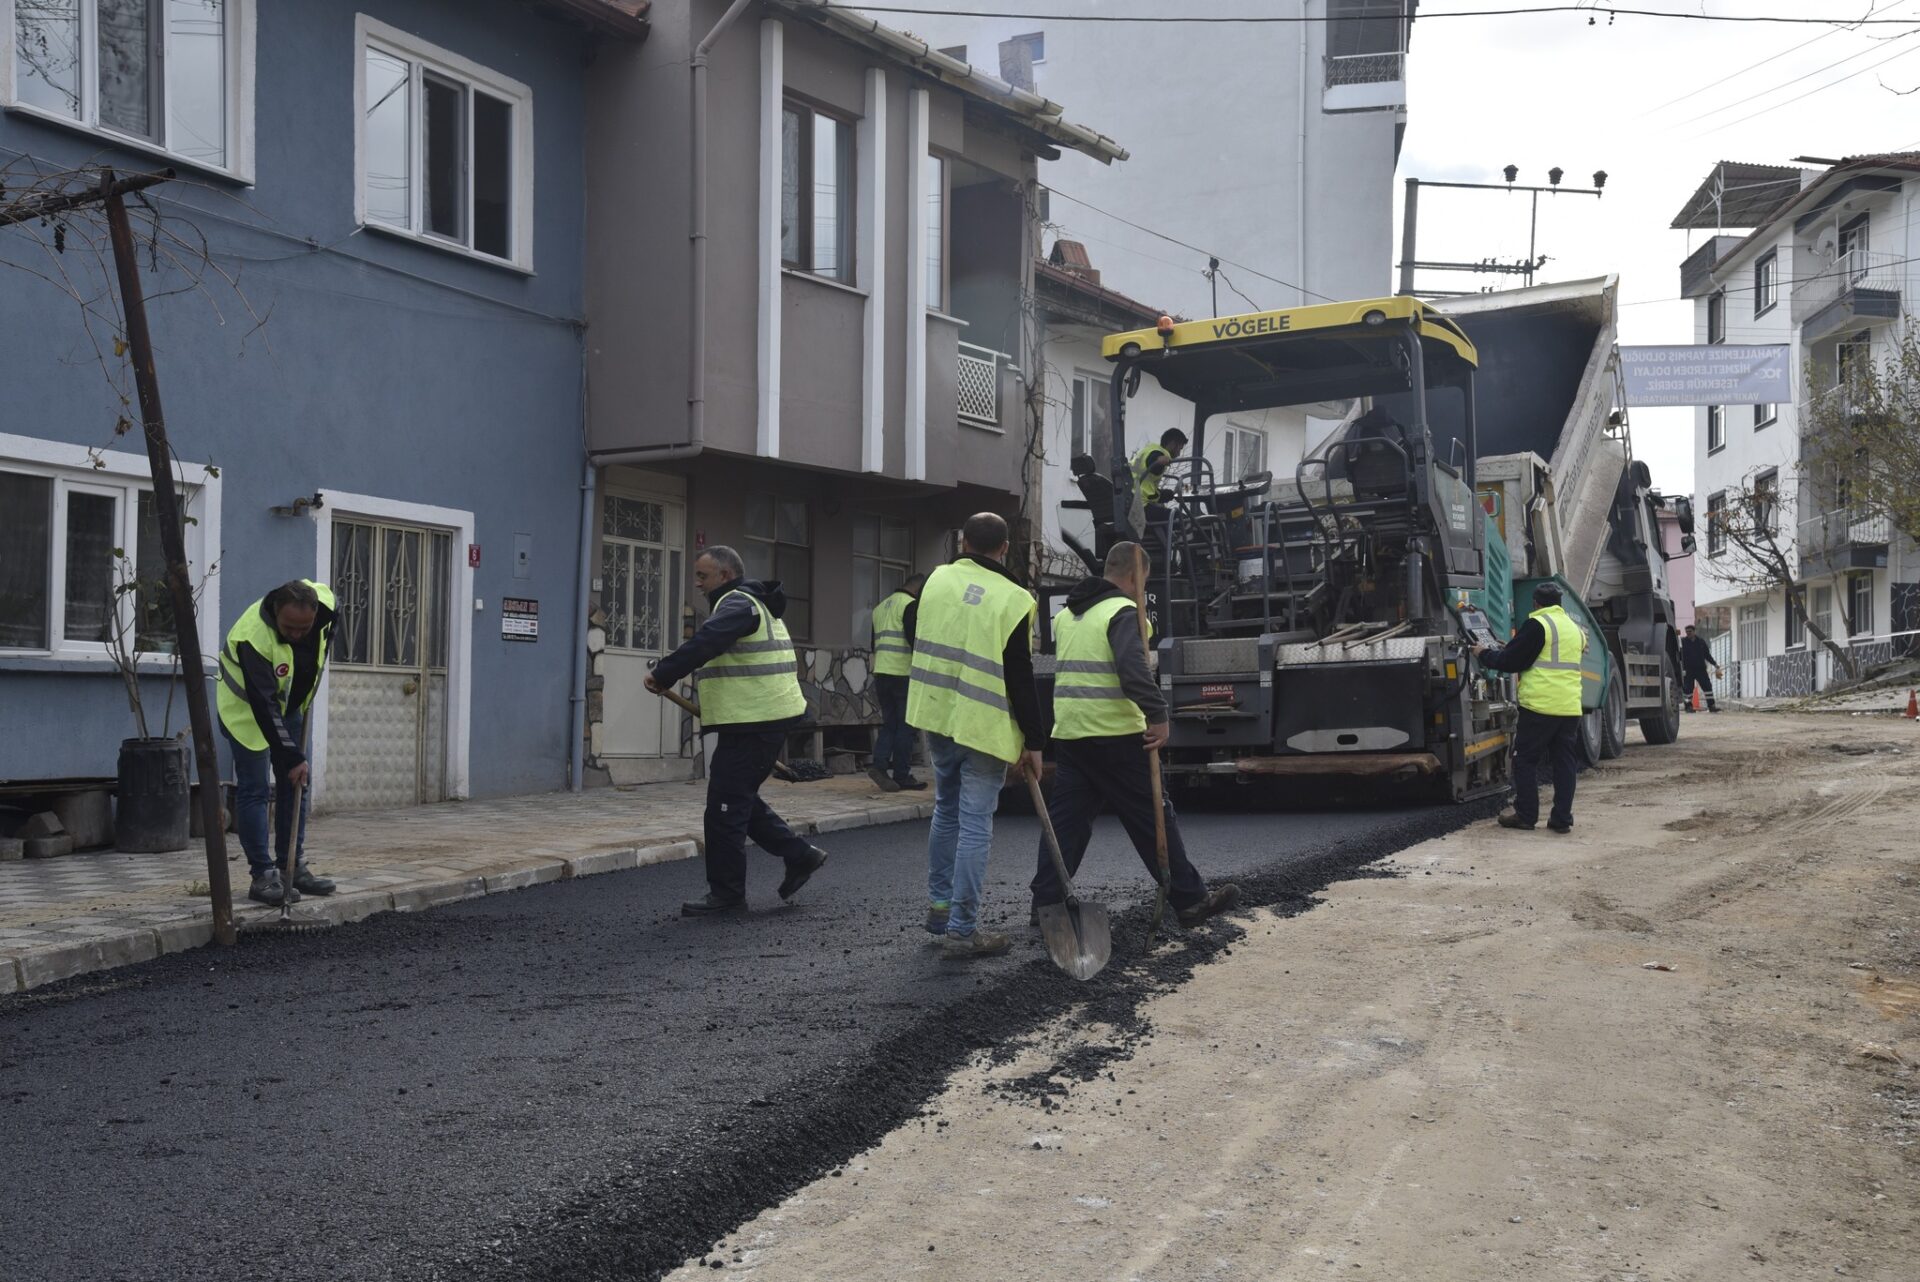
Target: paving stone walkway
<point>85,912</point>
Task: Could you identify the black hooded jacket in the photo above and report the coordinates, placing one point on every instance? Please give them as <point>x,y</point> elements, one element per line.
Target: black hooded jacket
<point>730,622</point>
<point>1123,635</point>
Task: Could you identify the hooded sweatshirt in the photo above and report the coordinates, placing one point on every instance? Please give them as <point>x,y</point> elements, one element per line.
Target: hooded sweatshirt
<point>730,621</point>
<point>1129,656</point>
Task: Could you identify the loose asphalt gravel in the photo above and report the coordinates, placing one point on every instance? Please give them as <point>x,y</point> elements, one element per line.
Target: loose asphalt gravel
<point>567,1082</point>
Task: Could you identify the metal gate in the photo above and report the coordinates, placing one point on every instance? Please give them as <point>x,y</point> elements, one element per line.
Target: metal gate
<point>642,546</point>
<point>387,695</point>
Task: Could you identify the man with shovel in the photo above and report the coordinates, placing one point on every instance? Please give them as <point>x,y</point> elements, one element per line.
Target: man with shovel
<point>270,668</point>
<point>750,697</point>
<point>1108,715</point>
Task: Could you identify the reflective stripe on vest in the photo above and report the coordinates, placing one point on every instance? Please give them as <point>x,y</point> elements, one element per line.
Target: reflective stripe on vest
<point>892,656</point>
<point>959,688</point>
<point>1552,685</point>
<point>230,697</point>
<point>755,679</point>
<point>1088,702</point>
<point>1143,478</point>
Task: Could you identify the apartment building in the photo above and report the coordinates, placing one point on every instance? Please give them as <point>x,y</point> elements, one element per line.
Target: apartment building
<point>1816,256</point>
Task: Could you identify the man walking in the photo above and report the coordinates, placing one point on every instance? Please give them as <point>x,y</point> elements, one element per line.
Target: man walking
<point>270,668</point>
<point>1108,714</point>
<point>750,698</point>
<point>1695,659</point>
<point>1546,653</point>
<point>893,628</point>
<point>972,692</point>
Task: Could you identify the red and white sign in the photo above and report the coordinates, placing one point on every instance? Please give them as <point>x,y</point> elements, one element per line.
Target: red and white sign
<point>1215,693</point>
<point>473,556</point>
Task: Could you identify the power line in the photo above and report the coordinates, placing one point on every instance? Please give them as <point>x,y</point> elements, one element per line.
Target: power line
<point>1174,240</point>
<point>1737,102</point>
<point>1754,66</point>
<point>1608,13</point>
<point>1838,80</point>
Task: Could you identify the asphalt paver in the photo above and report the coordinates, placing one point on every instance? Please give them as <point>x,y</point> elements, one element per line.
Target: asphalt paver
<point>570,1081</point>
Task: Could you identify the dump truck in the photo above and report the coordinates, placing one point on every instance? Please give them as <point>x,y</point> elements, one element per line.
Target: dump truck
<point>1323,625</point>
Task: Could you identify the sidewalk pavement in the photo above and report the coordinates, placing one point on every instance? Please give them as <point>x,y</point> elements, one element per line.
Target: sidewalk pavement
<point>88,912</point>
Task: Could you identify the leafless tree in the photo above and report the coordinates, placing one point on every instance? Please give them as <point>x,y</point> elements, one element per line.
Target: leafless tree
<point>1860,441</point>
<point>1760,557</point>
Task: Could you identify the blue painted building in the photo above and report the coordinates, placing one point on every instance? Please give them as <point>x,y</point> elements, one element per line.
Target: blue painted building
<point>373,377</point>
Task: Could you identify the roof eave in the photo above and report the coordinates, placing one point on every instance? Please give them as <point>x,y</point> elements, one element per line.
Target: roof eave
<point>1039,115</point>
<point>626,20</point>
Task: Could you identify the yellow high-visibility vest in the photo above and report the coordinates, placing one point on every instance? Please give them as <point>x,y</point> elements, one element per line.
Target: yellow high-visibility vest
<point>892,656</point>
<point>959,687</point>
<point>1088,702</point>
<point>1552,685</point>
<point>1144,479</point>
<point>236,714</point>
<point>755,679</point>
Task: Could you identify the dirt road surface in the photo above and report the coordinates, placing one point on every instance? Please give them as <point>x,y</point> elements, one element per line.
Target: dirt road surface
<point>1679,1043</point>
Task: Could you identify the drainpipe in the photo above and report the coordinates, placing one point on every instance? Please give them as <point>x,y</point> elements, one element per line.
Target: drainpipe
<point>1300,159</point>
<point>577,720</point>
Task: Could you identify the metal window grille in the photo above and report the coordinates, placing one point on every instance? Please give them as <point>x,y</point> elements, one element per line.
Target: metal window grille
<point>977,385</point>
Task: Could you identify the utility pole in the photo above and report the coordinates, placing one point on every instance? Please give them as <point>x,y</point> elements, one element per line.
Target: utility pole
<point>1409,261</point>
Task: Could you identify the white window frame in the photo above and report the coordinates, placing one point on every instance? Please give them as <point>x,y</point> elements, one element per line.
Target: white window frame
<point>1230,447</point>
<point>1717,305</point>
<point>1716,524</point>
<point>1716,427</point>
<point>71,468</point>
<point>240,59</point>
<point>423,57</point>
<point>1091,387</point>
<point>1766,286</point>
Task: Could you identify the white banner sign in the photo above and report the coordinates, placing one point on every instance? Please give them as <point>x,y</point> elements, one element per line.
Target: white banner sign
<point>1719,374</point>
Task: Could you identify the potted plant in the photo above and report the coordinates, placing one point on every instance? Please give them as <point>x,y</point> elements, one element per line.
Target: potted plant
<point>154,796</point>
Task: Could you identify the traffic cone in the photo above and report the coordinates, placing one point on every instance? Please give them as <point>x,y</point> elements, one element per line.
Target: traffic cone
<point>1913,707</point>
<point>1696,698</point>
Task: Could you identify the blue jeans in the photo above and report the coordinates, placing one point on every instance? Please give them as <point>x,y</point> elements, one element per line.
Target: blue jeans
<point>253,785</point>
<point>966,792</point>
<point>893,742</point>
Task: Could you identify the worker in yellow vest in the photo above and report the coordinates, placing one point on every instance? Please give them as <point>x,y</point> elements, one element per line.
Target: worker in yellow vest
<point>891,766</point>
<point>1149,463</point>
<point>750,698</point>
<point>270,667</point>
<point>1546,653</point>
<point>972,692</point>
<point>1108,714</point>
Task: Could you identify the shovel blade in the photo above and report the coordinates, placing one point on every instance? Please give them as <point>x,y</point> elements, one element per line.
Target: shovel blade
<point>1077,937</point>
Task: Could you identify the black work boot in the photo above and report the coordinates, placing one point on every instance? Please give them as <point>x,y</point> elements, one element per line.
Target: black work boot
<point>801,868</point>
<point>1511,820</point>
<point>711,905</point>
<point>306,882</point>
<point>1218,900</point>
<point>267,889</point>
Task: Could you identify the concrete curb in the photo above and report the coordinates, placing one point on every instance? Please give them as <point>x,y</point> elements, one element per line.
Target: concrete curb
<point>143,943</point>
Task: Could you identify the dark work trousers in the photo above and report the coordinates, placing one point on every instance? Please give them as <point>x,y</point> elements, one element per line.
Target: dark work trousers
<point>1696,677</point>
<point>1549,739</point>
<point>740,764</point>
<point>1113,770</point>
<point>893,745</point>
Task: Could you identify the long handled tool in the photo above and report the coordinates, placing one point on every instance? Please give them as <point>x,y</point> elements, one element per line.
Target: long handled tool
<point>780,768</point>
<point>289,863</point>
<point>1077,934</point>
<point>1153,764</point>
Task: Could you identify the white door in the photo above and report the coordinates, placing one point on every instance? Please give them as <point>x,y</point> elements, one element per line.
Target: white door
<point>387,698</point>
<point>642,555</point>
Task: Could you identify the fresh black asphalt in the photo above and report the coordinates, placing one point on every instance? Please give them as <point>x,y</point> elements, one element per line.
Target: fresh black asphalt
<point>568,1082</point>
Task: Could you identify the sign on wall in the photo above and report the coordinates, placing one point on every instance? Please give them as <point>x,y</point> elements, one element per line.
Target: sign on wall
<point>519,619</point>
<point>1716,374</point>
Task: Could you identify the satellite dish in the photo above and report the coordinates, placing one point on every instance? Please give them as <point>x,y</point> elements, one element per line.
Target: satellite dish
<point>1827,244</point>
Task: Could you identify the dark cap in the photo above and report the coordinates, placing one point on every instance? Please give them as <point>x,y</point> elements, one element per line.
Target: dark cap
<point>1547,593</point>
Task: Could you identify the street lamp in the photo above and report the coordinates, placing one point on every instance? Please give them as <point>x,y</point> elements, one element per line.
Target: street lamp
<point>1512,174</point>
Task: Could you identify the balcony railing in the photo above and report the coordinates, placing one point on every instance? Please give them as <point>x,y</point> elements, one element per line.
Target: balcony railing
<point>1365,68</point>
<point>1867,283</point>
<point>1842,539</point>
<point>977,385</point>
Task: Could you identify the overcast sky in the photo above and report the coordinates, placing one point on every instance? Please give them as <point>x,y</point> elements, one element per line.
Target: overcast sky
<point>1544,90</point>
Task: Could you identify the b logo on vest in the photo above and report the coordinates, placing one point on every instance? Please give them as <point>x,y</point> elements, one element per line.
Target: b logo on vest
<point>974,595</point>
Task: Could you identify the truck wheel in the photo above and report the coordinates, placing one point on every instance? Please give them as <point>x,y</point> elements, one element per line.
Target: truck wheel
<point>1588,744</point>
<point>1613,715</point>
<point>1665,728</point>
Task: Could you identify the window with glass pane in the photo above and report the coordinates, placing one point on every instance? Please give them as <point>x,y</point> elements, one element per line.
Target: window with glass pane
<point>157,70</point>
<point>1764,288</point>
<point>816,192</point>
<point>93,532</point>
<point>26,549</point>
<point>882,561</point>
<point>1090,434</point>
<point>1823,611</point>
<point>1796,628</point>
<point>1766,498</point>
<point>152,602</point>
<point>1716,427</point>
<point>1716,524</point>
<point>1860,606</point>
<point>352,583</point>
<point>779,545</point>
<point>1246,453</point>
<point>640,575</point>
<point>1717,317</point>
<point>437,153</point>
<point>936,180</point>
